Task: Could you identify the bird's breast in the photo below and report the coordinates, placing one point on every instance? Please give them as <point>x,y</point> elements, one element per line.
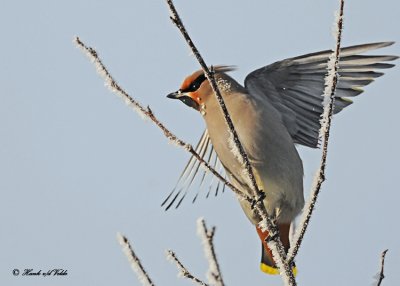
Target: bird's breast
<point>265,139</point>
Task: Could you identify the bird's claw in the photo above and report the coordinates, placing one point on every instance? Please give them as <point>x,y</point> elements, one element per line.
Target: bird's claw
<point>260,197</point>
<point>271,237</point>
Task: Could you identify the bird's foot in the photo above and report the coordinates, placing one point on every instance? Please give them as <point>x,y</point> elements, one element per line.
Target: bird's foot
<point>260,197</point>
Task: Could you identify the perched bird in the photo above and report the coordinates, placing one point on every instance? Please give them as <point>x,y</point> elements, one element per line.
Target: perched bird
<point>278,107</point>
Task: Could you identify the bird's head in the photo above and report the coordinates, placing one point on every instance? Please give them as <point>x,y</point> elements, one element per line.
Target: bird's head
<point>195,91</point>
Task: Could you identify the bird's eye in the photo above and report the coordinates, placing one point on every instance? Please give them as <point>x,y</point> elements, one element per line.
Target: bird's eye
<point>194,86</point>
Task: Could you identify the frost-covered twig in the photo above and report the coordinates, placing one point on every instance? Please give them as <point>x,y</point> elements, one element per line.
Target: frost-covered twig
<point>258,195</point>
<point>214,274</point>
<point>134,261</point>
<point>147,113</point>
<point>182,269</point>
<point>210,76</point>
<point>381,274</point>
<point>331,81</point>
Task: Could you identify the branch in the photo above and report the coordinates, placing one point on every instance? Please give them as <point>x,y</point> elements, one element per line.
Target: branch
<point>266,223</point>
<point>182,269</point>
<point>210,76</point>
<point>136,265</point>
<point>147,113</point>
<point>381,275</point>
<point>214,272</point>
<point>331,81</point>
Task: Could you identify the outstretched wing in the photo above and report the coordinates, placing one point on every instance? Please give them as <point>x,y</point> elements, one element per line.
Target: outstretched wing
<point>295,86</point>
<point>194,174</point>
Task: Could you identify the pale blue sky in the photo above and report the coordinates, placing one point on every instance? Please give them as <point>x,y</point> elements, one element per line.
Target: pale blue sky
<point>77,165</point>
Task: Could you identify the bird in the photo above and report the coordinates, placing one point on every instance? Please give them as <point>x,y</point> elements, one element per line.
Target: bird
<point>278,107</point>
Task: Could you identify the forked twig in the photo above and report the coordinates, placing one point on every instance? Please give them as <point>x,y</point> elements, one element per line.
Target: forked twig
<point>183,270</point>
<point>214,272</point>
<point>266,223</point>
<point>331,81</point>
<point>134,261</point>
<point>381,273</point>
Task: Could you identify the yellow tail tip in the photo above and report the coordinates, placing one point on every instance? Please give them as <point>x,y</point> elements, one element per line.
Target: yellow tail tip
<point>273,270</point>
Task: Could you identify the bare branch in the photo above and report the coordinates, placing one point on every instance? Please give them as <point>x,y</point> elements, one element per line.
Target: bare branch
<point>210,76</point>
<point>134,261</point>
<point>381,273</point>
<point>277,247</point>
<point>214,272</point>
<point>331,81</point>
<point>148,113</point>
<point>182,269</point>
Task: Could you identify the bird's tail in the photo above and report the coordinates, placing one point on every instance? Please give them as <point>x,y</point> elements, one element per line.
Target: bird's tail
<point>267,262</point>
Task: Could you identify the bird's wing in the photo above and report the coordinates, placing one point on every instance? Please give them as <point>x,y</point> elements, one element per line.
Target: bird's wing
<point>295,86</point>
<point>194,176</point>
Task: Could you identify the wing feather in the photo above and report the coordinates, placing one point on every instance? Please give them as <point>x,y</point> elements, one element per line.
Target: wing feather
<point>295,86</point>
<point>193,173</point>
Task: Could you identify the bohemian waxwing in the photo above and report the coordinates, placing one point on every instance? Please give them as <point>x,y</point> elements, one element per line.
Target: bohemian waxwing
<point>279,106</point>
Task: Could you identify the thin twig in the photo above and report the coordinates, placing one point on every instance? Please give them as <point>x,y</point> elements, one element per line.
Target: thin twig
<point>148,113</point>
<point>183,270</point>
<point>276,245</point>
<point>210,76</point>
<point>331,81</point>
<point>381,273</point>
<point>214,272</point>
<point>134,261</point>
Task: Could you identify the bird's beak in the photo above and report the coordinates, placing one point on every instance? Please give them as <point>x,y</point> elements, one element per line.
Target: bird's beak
<point>185,98</point>
<point>175,94</point>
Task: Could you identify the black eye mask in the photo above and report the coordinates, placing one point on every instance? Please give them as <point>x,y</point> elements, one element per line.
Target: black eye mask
<point>195,84</point>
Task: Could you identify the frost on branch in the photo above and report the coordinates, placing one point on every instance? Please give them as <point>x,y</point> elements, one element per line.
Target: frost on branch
<point>214,275</point>
<point>134,261</point>
<point>331,81</point>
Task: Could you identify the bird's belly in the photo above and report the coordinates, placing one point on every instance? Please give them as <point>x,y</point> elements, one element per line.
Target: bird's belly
<point>273,156</point>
